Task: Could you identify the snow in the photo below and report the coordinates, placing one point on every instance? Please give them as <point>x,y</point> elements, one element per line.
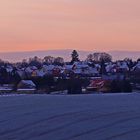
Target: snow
<point>28,84</point>
<point>26,89</point>
<point>6,87</point>
<point>137,66</point>
<point>70,117</point>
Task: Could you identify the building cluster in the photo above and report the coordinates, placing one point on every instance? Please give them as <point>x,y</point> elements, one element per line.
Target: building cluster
<point>17,74</point>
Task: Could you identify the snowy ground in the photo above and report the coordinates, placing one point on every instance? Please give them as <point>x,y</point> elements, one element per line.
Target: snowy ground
<point>70,117</point>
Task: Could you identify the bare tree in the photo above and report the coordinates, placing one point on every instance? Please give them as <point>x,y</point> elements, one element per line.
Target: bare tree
<point>90,58</point>
<point>99,57</point>
<point>59,60</point>
<point>48,59</point>
<point>35,61</point>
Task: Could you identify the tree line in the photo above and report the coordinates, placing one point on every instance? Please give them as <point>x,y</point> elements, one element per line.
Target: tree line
<point>97,57</point>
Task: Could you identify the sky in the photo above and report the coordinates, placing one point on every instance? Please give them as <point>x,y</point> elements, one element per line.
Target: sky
<point>102,25</point>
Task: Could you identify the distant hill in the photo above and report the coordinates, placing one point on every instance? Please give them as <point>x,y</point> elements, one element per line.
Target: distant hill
<point>125,54</point>
<point>18,56</point>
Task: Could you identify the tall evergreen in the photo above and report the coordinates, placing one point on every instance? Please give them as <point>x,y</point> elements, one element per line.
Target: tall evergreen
<point>74,56</point>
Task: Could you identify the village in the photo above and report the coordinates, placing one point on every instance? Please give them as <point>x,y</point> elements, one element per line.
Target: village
<point>97,74</point>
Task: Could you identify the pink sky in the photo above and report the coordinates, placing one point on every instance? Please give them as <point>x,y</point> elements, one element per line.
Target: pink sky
<point>69,24</point>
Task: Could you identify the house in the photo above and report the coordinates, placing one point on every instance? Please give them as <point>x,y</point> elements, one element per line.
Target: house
<point>136,67</point>
<point>122,66</point>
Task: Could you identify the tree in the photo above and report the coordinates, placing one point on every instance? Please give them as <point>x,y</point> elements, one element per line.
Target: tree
<point>99,57</point>
<point>102,70</point>
<point>75,56</point>
<point>48,59</point>
<point>106,57</point>
<point>1,62</point>
<point>96,57</point>
<point>127,59</point>
<point>24,63</point>
<point>138,60</point>
<point>35,61</point>
<point>129,63</point>
<point>59,61</point>
<point>90,58</point>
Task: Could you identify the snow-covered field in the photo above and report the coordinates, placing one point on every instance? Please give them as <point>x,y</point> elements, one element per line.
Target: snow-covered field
<point>70,117</point>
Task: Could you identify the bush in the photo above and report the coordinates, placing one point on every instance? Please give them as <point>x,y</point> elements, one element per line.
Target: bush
<point>121,86</point>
